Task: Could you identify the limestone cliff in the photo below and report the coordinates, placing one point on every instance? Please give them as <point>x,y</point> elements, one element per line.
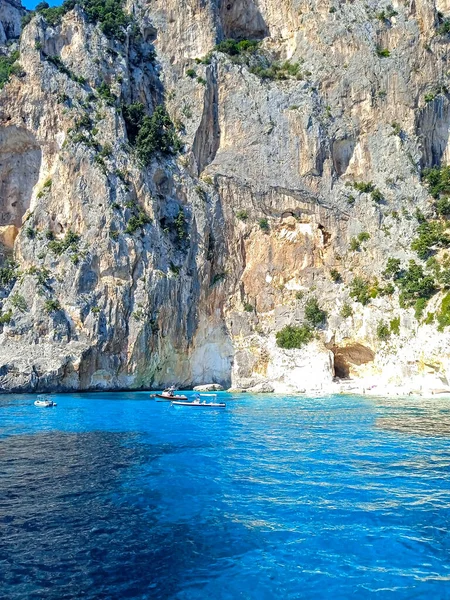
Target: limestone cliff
<point>290,169</point>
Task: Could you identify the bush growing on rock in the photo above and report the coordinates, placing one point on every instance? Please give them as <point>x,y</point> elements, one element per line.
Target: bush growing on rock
<point>360,290</point>
<point>438,181</point>
<point>383,331</point>
<point>363,236</point>
<point>8,67</point>
<point>105,94</point>
<point>443,207</point>
<point>157,134</point>
<point>242,215</point>
<point>264,225</point>
<point>377,196</point>
<point>414,284</point>
<point>346,311</point>
<point>383,52</point>
<point>70,241</point>
<point>335,276</point>
<point>235,48</point>
<point>394,326</point>
<point>137,221</point>
<point>392,269</point>
<point>431,236</point>
<point>443,316</point>
<point>364,187</point>
<point>6,317</point>
<point>52,305</point>
<point>108,13</point>
<point>18,302</point>
<point>9,273</point>
<point>133,115</point>
<point>313,313</point>
<point>444,27</point>
<point>279,71</point>
<point>293,337</point>
<point>355,245</point>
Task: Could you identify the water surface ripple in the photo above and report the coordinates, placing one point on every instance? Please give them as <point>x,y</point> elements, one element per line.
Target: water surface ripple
<point>116,496</point>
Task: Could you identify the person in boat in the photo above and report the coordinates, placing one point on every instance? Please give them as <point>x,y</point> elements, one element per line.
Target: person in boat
<point>170,390</point>
<point>197,398</point>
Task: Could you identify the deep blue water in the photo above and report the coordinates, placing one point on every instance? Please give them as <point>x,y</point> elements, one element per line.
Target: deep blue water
<point>114,496</point>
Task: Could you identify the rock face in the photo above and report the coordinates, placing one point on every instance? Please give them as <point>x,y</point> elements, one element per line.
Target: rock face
<point>183,269</point>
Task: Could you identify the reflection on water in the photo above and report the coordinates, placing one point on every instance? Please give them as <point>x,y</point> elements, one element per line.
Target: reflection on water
<point>415,415</point>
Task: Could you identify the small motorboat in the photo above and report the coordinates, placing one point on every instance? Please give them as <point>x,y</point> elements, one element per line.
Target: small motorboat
<point>168,395</point>
<point>197,402</point>
<point>44,402</point>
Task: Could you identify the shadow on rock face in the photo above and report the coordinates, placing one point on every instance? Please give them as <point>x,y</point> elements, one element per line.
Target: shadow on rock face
<point>241,19</point>
<point>20,162</point>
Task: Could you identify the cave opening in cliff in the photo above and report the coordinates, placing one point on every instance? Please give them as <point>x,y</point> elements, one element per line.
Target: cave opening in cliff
<point>346,357</point>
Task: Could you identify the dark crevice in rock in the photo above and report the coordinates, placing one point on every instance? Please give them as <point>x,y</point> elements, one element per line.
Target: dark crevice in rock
<point>432,130</point>
<point>207,137</point>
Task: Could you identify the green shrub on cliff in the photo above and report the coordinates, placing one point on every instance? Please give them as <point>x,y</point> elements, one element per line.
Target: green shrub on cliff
<point>394,326</point>
<point>292,336</point>
<point>346,311</point>
<point>9,273</point>
<point>235,48</point>
<point>133,115</point>
<point>431,236</point>
<point>52,305</point>
<point>137,221</point>
<point>8,67</point>
<point>382,52</point>
<point>414,284</point>
<point>6,317</point>
<point>157,134</point>
<point>360,290</point>
<point>264,225</point>
<point>443,316</point>
<point>438,181</point>
<point>279,71</point>
<point>363,187</point>
<point>18,302</point>
<point>383,331</point>
<point>110,15</point>
<point>444,27</point>
<point>313,313</point>
<point>392,268</point>
<point>70,241</point>
<point>335,276</point>
<point>105,94</point>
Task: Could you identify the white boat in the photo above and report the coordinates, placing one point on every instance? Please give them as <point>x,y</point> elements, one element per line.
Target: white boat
<point>44,402</point>
<point>197,402</point>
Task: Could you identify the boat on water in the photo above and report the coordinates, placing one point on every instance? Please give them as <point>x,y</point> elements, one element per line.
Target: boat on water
<point>44,402</point>
<point>197,402</point>
<point>168,395</point>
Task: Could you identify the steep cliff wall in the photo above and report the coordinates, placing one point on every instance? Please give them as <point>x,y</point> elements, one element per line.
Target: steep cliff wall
<point>300,175</point>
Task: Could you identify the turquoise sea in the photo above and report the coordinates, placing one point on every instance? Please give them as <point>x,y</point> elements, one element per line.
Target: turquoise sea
<point>115,496</point>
